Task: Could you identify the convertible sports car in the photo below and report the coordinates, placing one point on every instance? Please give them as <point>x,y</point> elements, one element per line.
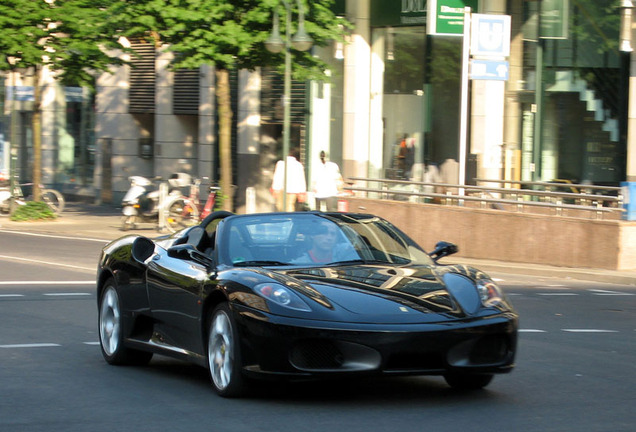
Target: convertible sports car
<point>300,296</point>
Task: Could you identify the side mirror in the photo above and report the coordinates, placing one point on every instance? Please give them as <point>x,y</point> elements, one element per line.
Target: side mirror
<point>443,249</point>
<point>190,253</point>
<point>142,249</point>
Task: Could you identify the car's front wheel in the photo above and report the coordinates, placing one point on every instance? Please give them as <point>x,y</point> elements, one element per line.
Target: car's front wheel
<point>467,381</point>
<point>224,356</point>
<point>111,332</point>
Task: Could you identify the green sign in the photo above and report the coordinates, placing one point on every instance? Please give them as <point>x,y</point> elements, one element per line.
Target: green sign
<point>446,17</point>
<point>554,19</point>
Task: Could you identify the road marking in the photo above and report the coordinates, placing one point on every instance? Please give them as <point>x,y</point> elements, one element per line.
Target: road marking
<point>531,331</point>
<point>33,345</point>
<point>66,294</point>
<point>557,294</point>
<point>11,295</point>
<point>589,331</point>
<point>600,292</point>
<point>91,343</point>
<point>47,282</point>
<point>55,236</point>
<point>46,262</point>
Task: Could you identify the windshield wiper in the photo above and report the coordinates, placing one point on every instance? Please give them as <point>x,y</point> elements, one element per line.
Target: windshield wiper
<point>259,263</point>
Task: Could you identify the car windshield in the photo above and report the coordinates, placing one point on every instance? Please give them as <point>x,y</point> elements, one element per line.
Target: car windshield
<point>315,239</point>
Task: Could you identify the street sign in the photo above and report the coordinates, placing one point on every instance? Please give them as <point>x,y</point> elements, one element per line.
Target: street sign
<point>446,17</point>
<point>489,70</point>
<point>555,19</point>
<point>490,35</point>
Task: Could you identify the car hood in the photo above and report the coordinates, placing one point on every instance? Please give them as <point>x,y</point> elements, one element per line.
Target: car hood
<point>382,294</point>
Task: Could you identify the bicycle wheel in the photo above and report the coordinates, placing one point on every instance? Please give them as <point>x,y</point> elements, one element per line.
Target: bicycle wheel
<point>181,214</point>
<point>54,200</point>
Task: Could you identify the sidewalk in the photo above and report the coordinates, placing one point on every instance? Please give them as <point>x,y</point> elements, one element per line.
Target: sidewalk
<point>103,222</point>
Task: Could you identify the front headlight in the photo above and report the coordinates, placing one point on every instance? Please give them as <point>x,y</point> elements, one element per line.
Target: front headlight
<point>281,295</point>
<point>489,293</point>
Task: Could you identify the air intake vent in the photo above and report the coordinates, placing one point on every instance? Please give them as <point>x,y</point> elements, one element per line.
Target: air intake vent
<point>142,79</point>
<point>185,99</point>
<point>272,92</point>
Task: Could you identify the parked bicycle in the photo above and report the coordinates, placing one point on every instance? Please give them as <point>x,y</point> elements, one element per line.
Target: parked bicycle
<point>52,198</point>
<point>210,203</point>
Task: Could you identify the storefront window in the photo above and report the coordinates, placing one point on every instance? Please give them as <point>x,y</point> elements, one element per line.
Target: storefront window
<point>573,80</point>
<point>420,108</point>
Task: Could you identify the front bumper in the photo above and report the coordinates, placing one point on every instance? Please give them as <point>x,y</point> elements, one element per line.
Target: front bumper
<point>280,346</point>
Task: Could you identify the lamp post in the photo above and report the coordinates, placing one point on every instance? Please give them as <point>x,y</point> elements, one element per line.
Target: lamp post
<point>13,148</point>
<point>275,44</point>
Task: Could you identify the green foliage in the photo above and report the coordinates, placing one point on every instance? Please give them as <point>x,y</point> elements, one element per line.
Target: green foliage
<point>596,23</point>
<point>33,210</point>
<point>232,34</point>
<point>71,37</point>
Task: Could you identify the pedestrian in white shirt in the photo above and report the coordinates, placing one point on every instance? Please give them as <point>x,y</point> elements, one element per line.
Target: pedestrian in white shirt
<point>327,184</point>
<point>296,183</point>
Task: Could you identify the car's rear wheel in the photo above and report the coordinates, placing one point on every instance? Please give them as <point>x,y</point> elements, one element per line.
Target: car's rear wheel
<point>467,381</point>
<point>224,356</point>
<point>111,332</point>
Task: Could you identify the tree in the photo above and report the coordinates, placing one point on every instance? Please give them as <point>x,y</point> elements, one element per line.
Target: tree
<point>231,35</point>
<point>67,37</point>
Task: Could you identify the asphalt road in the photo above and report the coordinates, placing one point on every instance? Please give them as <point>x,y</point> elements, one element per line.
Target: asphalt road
<point>575,367</point>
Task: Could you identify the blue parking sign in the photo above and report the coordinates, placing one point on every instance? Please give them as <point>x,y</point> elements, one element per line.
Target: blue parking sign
<point>490,35</point>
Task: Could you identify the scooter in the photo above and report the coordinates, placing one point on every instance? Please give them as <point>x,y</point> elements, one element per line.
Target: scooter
<point>5,200</point>
<point>143,203</point>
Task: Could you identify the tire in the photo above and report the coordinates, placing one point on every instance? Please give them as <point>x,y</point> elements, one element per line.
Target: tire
<point>224,356</point>
<point>54,200</point>
<point>466,381</point>
<point>181,214</point>
<point>111,331</point>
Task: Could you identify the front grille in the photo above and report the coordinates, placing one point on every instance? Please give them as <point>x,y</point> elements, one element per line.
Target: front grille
<point>316,354</point>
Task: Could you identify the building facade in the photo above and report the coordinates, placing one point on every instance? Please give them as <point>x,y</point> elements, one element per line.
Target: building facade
<point>392,107</point>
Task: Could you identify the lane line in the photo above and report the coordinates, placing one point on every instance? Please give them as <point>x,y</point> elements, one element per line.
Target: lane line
<point>55,236</point>
<point>557,294</point>
<point>589,331</point>
<point>45,262</point>
<point>531,331</point>
<point>11,295</point>
<point>32,345</point>
<point>66,294</point>
<point>47,282</point>
<point>91,343</point>
<point>600,292</point>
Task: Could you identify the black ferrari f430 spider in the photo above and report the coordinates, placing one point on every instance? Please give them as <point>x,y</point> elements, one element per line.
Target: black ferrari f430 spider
<point>301,296</point>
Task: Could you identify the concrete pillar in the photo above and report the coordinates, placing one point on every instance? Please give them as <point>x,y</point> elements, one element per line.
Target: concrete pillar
<point>175,136</point>
<point>250,175</point>
<point>487,115</point>
<point>631,124</point>
<point>357,79</point>
<point>207,141</point>
<point>512,108</point>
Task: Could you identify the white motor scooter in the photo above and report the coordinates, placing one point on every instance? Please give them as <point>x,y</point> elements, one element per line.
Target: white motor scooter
<point>143,204</point>
<point>5,200</point>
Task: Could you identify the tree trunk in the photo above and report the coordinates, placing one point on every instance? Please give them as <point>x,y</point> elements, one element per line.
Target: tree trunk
<point>37,135</point>
<point>225,137</point>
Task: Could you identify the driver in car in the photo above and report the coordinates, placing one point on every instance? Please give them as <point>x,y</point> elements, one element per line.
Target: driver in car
<point>325,247</point>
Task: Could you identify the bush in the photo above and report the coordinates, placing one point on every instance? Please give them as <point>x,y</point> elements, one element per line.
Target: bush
<point>33,210</point>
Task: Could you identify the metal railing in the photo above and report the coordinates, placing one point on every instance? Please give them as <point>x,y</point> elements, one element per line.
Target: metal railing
<point>518,197</point>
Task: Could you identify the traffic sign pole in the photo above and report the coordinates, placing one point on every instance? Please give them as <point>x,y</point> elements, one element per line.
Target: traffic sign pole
<point>463,127</point>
